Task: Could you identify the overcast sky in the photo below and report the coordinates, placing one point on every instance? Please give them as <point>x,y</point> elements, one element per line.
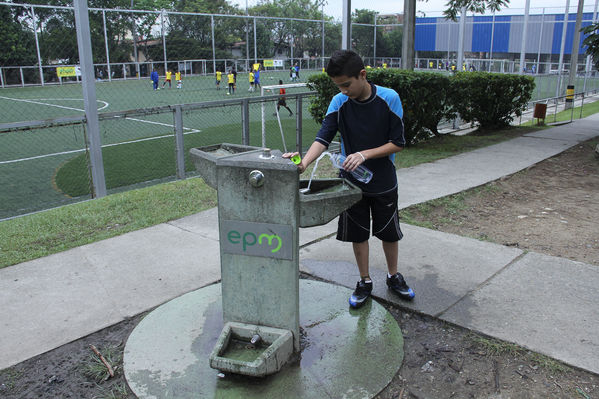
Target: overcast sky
<point>434,7</point>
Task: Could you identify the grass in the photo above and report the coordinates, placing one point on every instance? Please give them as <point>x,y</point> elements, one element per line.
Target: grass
<point>450,145</point>
<point>42,234</point>
<point>143,161</point>
<point>563,116</point>
<point>496,347</point>
<point>94,369</point>
<point>418,215</point>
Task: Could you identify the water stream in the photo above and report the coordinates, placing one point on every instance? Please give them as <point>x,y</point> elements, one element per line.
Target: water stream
<point>307,189</point>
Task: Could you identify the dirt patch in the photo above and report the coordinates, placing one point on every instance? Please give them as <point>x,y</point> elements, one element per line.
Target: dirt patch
<point>548,208</point>
<point>551,208</point>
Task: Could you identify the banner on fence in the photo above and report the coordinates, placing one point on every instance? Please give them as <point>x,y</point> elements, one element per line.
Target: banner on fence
<point>68,71</point>
<point>273,63</point>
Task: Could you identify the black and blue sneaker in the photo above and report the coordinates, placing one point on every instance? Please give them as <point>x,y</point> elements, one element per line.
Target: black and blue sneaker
<point>397,284</point>
<point>360,294</point>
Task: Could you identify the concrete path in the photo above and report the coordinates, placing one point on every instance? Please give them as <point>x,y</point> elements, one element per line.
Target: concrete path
<point>547,304</point>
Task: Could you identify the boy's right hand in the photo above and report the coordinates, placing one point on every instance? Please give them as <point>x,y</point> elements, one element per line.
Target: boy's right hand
<point>301,165</point>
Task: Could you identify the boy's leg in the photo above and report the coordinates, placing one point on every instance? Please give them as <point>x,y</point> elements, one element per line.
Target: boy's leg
<point>385,226</point>
<point>361,252</point>
<point>391,254</point>
<point>354,227</point>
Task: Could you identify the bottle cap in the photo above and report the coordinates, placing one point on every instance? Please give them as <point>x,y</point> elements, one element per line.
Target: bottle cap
<point>296,159</point>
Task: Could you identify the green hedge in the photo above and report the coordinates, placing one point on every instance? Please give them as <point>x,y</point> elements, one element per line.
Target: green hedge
<point>491,99</point>
<point>427,98</point>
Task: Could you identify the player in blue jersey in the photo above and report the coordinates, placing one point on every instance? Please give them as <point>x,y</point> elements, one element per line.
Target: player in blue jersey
<point>369,118</point>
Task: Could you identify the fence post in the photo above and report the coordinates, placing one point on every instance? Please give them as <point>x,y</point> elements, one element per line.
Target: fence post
<point>298,124</point>
<point>1,77</point>
<point>84,45</point>
<point>106,46</point>
<point>179,147</point>
<point>37,46</point>
<point>245,122</point>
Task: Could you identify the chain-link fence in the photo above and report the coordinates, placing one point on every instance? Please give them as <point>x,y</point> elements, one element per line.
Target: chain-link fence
<point>46,164</point>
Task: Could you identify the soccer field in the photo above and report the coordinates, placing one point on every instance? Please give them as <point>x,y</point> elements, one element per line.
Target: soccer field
<point>48,167</point>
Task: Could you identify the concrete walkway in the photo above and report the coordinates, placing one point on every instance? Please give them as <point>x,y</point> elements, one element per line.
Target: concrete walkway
<point>547,304</point>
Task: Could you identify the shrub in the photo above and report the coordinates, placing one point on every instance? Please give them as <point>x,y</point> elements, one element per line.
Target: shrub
<point>428,98</point>
<point>491,99</point>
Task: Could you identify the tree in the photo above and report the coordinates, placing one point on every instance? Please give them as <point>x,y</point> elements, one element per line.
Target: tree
<point>363,36</point>
<point>303,36</point>
<point>476,6</point>
<point>17,46</point>
<point>592,42</point>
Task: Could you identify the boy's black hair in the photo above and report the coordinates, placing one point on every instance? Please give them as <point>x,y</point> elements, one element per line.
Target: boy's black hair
<point>345,63</point>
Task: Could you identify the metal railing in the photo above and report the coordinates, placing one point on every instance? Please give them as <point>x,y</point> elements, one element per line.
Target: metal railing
<point>44,163</point>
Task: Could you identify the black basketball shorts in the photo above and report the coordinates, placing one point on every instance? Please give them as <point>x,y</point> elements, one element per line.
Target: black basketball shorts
<point>354,223</point>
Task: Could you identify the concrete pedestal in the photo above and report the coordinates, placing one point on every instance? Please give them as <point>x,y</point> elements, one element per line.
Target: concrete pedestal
<point>344,352</point>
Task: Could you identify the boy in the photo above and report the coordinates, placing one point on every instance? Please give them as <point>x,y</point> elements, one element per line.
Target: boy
<point>178,79</point>
<point>155,79</point>
<point>369,118</point>
<point>219,75</point>
<point>257,78</point>
<point>169,75</point>
<point>231,81</point>
<point>282,102</point>
<point>251,79</point>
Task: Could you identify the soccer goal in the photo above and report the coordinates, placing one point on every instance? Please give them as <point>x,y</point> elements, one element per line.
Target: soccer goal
<point>274,89</point>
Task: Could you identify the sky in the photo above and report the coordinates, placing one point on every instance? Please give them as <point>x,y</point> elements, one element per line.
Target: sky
<point>435,8</point>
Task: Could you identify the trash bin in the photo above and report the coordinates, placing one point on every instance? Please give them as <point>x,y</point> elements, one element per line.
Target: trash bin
<point>540,112</point>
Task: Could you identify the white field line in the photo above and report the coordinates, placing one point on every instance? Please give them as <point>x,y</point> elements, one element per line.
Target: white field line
<point>83,149</point>
<point>104,146</point>
<point>38,101</point>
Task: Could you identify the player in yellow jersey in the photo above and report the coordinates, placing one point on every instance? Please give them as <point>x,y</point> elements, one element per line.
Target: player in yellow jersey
<point>219,76</point>
<point>178,79</point>
<point>251,79</point>
<point>169,75</point>
<point>231,81</point>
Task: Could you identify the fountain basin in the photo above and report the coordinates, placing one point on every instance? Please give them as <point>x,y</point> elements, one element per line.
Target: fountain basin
<point>204,158</point>
<point>233,352</point>
<point>325,200</point>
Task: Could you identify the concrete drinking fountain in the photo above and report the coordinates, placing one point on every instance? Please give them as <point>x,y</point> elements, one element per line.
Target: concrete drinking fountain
<point>255,329</point>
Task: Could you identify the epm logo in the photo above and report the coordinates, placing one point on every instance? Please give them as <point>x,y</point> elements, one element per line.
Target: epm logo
<point>267,240</point>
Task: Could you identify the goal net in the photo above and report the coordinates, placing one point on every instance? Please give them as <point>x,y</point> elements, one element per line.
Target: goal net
<point>290,88</point>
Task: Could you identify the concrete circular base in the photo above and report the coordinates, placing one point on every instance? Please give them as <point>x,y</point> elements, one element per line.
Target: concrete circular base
<point>346,353</point>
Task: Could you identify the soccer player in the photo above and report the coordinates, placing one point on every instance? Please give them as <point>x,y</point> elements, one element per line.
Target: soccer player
<point>155,79</point>
<point>169,75</point>
<point>282,102</point>
<point>219,75</point>
<point>251,79</point>
<point>257,78</point>
<point>231,81</point>
<point>178,79</point>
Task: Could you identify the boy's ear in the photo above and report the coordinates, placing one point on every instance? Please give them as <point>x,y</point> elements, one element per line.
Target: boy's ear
<point>363,73</point>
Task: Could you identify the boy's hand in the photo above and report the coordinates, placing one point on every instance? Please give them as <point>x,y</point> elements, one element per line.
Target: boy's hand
<point>352,161</point>
<point>301,166</point>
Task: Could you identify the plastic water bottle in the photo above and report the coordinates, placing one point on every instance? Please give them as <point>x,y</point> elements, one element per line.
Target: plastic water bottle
<point>361,173</point>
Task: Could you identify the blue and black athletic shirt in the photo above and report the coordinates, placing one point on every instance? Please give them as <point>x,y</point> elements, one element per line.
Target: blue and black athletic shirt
<point>364,125</point>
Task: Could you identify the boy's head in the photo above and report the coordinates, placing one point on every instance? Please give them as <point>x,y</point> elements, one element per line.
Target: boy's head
<point>280,82</point>
<point>346,70</point>
<point>345,63</point>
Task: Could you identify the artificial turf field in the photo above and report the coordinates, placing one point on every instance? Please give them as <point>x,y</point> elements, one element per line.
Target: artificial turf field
<point>41,168</point>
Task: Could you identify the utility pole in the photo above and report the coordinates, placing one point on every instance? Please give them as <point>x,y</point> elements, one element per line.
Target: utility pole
<point>409,30</point>
<point>574,55</point>
<point>346,26</point>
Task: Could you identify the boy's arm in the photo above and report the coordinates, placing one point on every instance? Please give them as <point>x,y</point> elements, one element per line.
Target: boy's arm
<point>315,150</point>
<point>354,160</point>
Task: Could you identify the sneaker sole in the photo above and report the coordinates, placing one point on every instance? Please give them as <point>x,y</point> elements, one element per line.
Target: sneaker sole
<point>356,303</point>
